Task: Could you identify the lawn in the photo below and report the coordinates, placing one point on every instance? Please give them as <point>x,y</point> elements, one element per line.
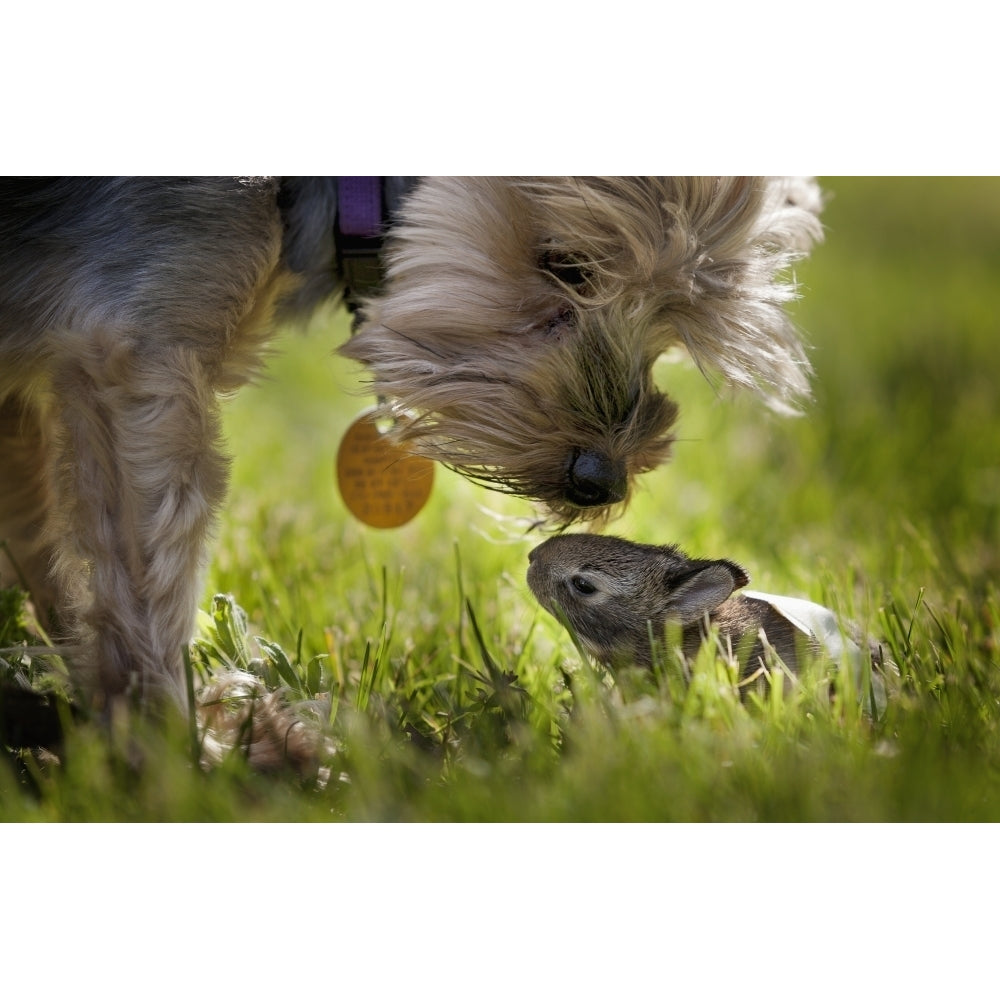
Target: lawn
<point>450,697</point>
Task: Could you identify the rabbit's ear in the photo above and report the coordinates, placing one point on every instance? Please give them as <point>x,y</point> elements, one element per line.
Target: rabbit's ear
<point>701,591</point>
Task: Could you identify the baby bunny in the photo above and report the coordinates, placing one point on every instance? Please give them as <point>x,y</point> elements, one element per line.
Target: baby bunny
<point>611,591</point>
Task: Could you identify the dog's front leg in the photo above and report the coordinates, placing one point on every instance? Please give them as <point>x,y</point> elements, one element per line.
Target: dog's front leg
<point>139,476</point>
<point>24,502</point>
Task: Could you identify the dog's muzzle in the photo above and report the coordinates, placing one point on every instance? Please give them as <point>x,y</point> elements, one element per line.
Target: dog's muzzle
<point>594,480</point>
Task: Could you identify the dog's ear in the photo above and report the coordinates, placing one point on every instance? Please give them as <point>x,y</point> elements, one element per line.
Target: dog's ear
<point>700,591</point>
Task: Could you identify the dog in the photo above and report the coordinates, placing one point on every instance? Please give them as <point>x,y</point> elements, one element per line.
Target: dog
<point>509,327</point>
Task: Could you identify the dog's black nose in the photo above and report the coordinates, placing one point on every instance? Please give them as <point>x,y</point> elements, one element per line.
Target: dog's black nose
<point>595,480</point>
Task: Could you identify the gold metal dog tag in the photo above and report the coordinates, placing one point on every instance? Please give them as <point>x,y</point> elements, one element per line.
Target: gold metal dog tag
<point>382,485</point>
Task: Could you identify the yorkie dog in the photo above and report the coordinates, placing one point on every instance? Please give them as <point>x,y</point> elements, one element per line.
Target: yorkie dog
<point>509,326</point>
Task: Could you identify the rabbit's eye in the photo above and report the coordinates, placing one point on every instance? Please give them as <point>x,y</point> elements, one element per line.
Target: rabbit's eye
<point>582,585</point>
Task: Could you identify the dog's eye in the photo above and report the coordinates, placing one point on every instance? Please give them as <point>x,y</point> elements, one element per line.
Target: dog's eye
<point>565,268</point>
<point>582,585</point>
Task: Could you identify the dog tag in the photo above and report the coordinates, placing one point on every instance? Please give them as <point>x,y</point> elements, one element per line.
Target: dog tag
<point>382,485</point>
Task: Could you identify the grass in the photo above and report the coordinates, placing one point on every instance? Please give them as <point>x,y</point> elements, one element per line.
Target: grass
<point>451,697</point>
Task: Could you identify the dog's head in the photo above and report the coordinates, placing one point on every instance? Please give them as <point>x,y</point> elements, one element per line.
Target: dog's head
<point>521,318</point>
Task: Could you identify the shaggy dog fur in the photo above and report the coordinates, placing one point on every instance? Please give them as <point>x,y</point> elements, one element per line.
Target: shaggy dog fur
<point>513,340</point>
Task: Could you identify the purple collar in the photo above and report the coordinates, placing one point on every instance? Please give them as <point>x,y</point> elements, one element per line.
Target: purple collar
<point>359,206</point>
<point>366,209</point>
<point>357,235</point>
